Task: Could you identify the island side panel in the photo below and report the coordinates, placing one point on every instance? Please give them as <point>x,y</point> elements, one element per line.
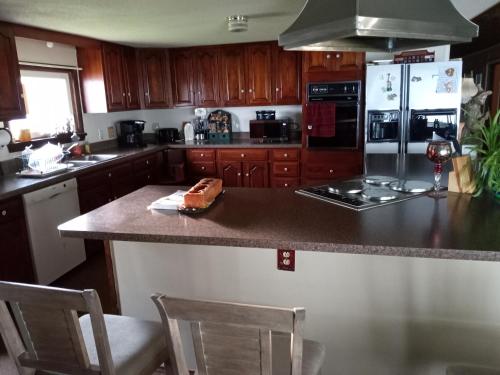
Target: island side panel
<point>375,314</point>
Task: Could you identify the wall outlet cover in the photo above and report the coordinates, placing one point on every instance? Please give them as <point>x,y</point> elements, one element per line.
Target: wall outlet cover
<point>286,260</point>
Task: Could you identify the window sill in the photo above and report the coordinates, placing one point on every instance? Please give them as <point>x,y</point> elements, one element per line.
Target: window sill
<point>60,138</point>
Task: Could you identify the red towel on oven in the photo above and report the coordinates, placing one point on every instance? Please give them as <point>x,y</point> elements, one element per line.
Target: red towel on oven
<point>321,116</point>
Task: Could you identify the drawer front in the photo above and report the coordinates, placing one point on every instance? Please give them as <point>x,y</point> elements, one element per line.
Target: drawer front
<point>200,155</point>
<point>286,154</point>
<point>11,209</point>
<point>325,171</point>
<point>145,163</point>
<point>283,182</point>
<point>202,169</point>
<point>243,154</point>
<point>286,169</point>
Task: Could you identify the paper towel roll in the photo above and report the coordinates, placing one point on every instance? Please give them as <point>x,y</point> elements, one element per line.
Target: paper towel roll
<point>5,137</point>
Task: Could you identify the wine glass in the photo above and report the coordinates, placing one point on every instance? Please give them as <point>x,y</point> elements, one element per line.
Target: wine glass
<point>439,152</point>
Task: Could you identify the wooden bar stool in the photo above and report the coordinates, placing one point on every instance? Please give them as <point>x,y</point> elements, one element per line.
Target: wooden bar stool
<point>232,338</point>
<point>51,337</point>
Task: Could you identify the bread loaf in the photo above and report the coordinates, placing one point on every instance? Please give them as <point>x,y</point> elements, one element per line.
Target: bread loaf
<point>203,193</point>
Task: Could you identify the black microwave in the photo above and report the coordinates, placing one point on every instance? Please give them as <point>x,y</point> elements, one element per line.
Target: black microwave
<point>270,130</point>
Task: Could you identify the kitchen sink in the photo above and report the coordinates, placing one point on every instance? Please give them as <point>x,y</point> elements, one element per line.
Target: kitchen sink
<point>94,158</point>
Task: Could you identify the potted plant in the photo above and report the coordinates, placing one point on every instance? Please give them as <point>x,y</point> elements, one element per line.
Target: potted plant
<point>485,141</point>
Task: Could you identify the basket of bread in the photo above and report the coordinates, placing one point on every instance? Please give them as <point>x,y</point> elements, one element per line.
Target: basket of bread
<point>201,196</point>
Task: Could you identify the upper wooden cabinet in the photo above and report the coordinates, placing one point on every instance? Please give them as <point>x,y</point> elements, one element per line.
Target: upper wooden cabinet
<point>259,70</point>
<point>155,68</point>
<point>109,78</point>
<point>287,76</point>
<point>207,77</point>
<point>232,76</point>
<point>181,63</point>
<point>332,61</point>
<point>11,98</point>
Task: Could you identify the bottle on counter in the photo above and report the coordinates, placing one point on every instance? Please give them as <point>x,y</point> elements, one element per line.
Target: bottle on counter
<point>188,132</point>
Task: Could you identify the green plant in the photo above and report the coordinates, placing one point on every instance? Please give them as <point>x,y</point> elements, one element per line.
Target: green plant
<point>486,144</point>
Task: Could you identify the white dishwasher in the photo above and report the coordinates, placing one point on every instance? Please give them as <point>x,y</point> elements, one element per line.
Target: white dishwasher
<point>45,210</point>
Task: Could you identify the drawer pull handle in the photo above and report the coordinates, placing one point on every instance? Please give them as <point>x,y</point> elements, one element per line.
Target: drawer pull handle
<point>4,213</point>
<point>286,185</point>
<point>285,169</point>
<point>109,175</point>
<point>242,155</point>
<point>149,177</point>
<point>202,155</point>
<point>250,90</point>
<point>202,168</point>
<point>247,174</point>
<point>331,170</point>
<point>123,94</point>
<point>277,89</point>
<point>242,90</point>
<point>147,162</point>
<point>285,155</point>
<point>239,174</point>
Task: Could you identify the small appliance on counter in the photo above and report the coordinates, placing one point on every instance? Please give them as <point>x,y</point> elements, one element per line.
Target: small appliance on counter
<point>219,126</point>
<point>270,131</point>
<point>130,133</point>
<point>167,135</point>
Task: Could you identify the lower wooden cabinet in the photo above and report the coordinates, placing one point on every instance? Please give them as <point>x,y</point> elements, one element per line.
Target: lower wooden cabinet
<point>15,255</point>
<point>243,167</point>
<point>319,167</point>
<point>231,173</point>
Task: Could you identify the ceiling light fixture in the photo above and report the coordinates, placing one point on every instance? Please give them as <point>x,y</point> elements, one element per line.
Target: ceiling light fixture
<point>237,24</point>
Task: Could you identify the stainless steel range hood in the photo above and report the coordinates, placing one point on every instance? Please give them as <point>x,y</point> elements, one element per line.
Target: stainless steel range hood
<point>377,25</point>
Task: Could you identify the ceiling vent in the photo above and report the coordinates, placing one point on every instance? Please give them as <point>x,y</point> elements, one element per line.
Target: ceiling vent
<point>377,25</point>
<point>237,24</point>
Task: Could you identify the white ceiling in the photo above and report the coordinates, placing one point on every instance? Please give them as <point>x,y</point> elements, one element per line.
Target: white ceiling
<point>169,23</point>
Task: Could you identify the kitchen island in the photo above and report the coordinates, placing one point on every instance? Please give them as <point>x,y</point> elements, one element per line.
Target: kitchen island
<point>399,313</point>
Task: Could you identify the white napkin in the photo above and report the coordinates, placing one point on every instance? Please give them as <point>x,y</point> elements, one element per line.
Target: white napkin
<point>170,202</point>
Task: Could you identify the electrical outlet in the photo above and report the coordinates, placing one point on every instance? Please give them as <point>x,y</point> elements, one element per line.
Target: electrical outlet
<point>286,260</point>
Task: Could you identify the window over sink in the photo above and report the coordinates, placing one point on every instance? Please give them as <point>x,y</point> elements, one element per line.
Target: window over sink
<point>53,108</point>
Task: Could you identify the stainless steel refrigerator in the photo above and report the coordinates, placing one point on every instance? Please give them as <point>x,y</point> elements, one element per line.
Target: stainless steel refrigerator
<point>406,104</point>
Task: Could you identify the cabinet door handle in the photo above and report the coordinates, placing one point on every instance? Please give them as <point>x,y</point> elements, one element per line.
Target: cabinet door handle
<point>328,56</point>
<point>247,174</point>
<point>129,95</point>
<point>331,171</point>
<point>146,93</point>
<point>110,199</point>
<point>338,55</point>
<point>147,162</point>
<point>239,173</point>
<point>277,89</point>
<point>149,177</point>
<point>285,155</point>
<point>203,168</point>
<point>250,90</point>
<point>4,212</point>
<point>109,175</point>
<point>202,155</point>
<point>286,185</point>
<point>285,169</point>
<point>242,155</point>
<point>243,91</point>
<point>309,127</point>
<point>123,94</point>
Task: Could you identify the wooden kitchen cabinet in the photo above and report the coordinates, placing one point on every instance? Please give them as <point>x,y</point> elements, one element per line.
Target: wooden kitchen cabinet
<point>156,83</point>
<point>109,78</point>
<point>287,77</point>
<point>132,79</point>
<point>11,95</point>
<point>232,76</point>
<point>182,70</point>
<point>259,72</point>
<point>207,77</point>
<point>146,171</point>
<point>243,167</point>
<point>332,61</point>
<point>200,164</point>
<point>15,255</point>
<point>114,76</point>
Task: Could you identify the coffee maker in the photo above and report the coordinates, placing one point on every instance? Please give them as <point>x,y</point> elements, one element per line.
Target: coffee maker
<point>130,133</point>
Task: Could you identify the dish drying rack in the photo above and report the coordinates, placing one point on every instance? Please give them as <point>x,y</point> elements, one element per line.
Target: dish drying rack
<point>43,162</point>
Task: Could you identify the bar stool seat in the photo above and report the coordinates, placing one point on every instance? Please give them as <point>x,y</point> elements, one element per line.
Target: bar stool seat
<point>134,342</point>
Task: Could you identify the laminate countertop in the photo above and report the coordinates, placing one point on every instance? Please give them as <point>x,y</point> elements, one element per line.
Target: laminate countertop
<point>457,227</point>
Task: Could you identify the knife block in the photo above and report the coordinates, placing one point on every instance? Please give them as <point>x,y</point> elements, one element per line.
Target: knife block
<point>461,180</point>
